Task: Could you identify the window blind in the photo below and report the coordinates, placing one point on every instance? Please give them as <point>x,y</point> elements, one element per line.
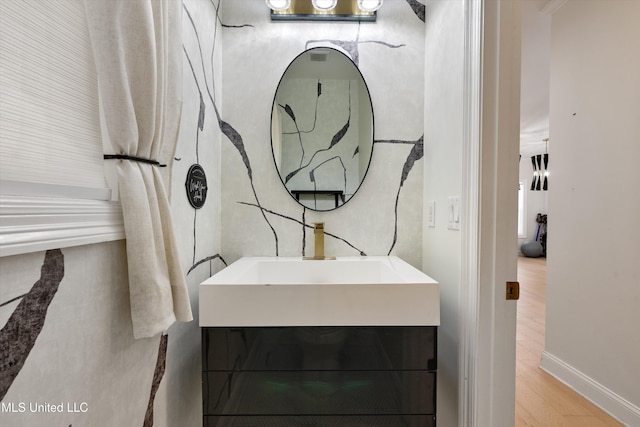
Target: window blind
<point>49,113</point>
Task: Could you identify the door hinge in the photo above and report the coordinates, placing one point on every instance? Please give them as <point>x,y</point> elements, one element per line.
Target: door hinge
<point>513,290</point>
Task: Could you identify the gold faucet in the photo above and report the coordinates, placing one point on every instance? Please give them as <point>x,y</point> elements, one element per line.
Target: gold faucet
<point>318,234</point>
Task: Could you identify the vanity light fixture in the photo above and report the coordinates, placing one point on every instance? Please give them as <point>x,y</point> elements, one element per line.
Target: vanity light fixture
<point>278,4</point>
<point>324,10</point>
<point>324,5</point>
<point>370,5</point>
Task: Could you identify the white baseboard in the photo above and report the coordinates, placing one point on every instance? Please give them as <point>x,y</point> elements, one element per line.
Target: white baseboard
<point>610,402</point>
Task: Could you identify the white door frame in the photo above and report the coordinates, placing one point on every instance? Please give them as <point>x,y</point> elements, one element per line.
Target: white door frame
<point>489,214</point>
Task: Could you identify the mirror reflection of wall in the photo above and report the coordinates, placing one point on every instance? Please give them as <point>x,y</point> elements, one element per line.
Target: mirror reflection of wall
<point>322,129</point>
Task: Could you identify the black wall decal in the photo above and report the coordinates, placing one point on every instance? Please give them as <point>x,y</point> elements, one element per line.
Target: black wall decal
<point>196,186</point>
<point>360,252</point>
<point>12,300</point>
<point>416,153</point>
<point>236,139</point>
<point>202,261</point>
<point>418,9</point>
<point>287,109</point>
<point>158,373</point>
<point>352,46</point>
<point>337,137</point>
<point>304,230</point>
<point>201,113</point>
<point>19,335</point>
<point>229,131</point>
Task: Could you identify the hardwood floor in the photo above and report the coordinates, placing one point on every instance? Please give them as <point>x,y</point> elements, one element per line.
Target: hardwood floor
<point>541,400</point>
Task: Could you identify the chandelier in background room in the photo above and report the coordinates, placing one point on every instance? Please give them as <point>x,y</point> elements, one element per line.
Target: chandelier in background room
<point>540,164</point>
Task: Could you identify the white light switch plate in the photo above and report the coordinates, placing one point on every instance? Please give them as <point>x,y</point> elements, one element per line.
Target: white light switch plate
<point>453,213</point>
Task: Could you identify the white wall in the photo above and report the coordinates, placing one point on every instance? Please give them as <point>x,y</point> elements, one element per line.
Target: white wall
<point>444,60</point>
<point>593,291</point>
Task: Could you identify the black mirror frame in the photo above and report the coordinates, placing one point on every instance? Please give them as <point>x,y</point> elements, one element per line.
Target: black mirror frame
<point>275,163</point>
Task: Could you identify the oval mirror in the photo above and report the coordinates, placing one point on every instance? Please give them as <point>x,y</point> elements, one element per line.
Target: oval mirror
<point>322,128</point>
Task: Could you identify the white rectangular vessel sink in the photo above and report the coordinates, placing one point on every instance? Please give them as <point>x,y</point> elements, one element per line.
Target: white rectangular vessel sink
<point>347,291</point>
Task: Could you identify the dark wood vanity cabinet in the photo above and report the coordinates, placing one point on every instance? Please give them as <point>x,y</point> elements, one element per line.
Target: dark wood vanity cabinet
<point>319,376</point>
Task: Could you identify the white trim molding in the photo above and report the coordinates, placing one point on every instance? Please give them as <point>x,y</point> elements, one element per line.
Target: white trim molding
<point>610,402</point>
<point>493,394</point>
<point>31,224</point>
<point>469,267</point>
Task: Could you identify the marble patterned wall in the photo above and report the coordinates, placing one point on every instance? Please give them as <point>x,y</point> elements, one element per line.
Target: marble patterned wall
<point>65,326</point>
<point>67,353</point>
<point>66,329</point>
<point>385,216</point>
<point>179,399</point>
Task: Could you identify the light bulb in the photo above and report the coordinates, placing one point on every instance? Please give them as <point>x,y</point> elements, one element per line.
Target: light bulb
<point>278,4</point>
<point>369,5</point>
<point>324,4</point>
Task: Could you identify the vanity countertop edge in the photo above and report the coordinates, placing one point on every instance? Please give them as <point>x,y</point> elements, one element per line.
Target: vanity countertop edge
<point>237,297</point>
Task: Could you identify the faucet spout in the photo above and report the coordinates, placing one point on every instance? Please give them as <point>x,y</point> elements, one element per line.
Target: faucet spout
<point>318,234</point>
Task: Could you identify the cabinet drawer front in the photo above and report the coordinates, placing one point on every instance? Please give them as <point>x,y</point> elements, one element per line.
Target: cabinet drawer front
<point>319,393</point>
<point>321,420</point>
<point>356,348</point>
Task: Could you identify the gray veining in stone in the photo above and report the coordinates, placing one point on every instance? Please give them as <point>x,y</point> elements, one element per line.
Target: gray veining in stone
<point>19,334</point>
